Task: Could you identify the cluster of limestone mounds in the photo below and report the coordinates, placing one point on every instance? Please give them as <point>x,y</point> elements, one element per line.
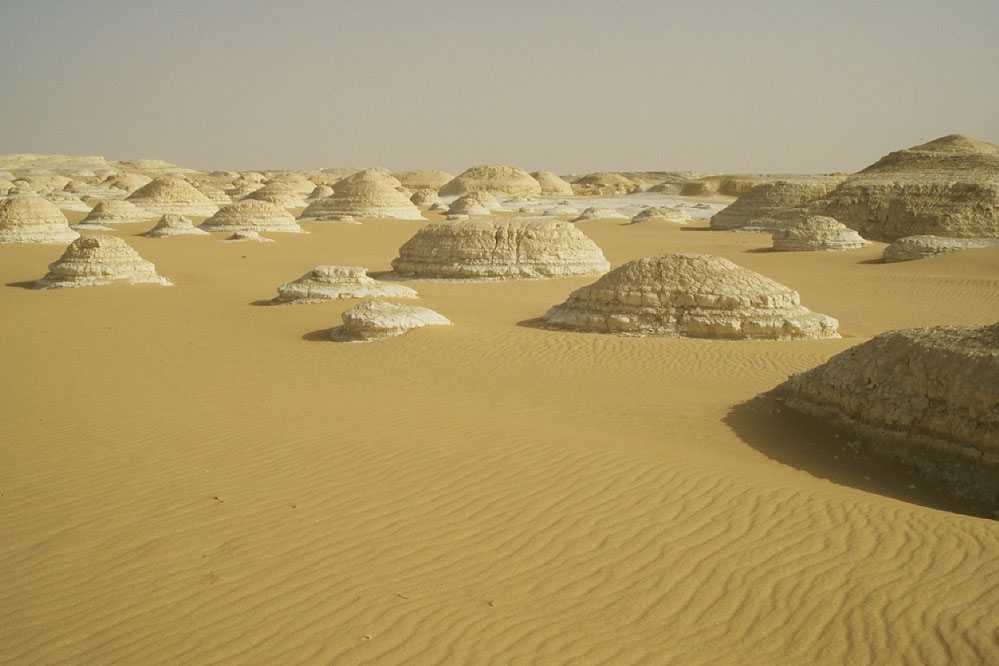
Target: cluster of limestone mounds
<point>497,179</point>
<point>927,395</point>
<point>369,193</point>
<point>911,248</point>
<point>326,283</point>
<point>689,295</point>
<point>499,249</point>
<point>28,218</point>
<point>97,260</point>
<point>252,215</point>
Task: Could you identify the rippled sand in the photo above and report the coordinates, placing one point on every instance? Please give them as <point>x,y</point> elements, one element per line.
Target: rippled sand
<point>189,478</point>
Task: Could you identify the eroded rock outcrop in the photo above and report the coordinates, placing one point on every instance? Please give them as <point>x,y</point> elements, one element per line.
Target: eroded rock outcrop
<point>494,179</point>
<point>552,184</point>
<point>815,232</point>
<point>911,248</point>
<point>174,225</point>
<point>98,260</point>
<point>690,295</point>
<point>116,211</point>
<point>169,195</point>
<point>771,200</point>
<point>326,283</point>
<point>662,214</point>
<point>372,193</point>
<point>252,215</point>
<point>28,218</point>
<point>375,320</point>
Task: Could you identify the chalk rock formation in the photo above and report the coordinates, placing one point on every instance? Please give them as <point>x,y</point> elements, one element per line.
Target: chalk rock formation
<point>662,214</point>
<point>815,232</point>
<point>320,192</point>
<point>690,295</point>
<point>552,184</point>
<point>605,184</point>
<point>116,211</point>
<point>425,198</point>
<point>593,213</point>
<point>372,193</point>
<point>493,179</point>
<point>281,193</point>
<point>511,248</point>
<point>293,181</point>
<point>242,189</point>
<point>28,218</point>
<point>560,210</point>
<point>771,200</point>
<point>252,215</point>
<point>252,236</point>
<point>475,203</point>
<point>374,320</point>
<point>325,283</point>
<point>925,395</point>
<point>169,195</point>
<point>128,182</point>
<point>920,247</point>
<point>174,225</point>
<point>97,260</point>
<point>947,187</point>
<point>430,179</point>
<point>214,194</point>
<point>67,201</point>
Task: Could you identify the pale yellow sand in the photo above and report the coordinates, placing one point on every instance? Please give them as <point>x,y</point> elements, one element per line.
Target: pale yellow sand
<point>186,478</point>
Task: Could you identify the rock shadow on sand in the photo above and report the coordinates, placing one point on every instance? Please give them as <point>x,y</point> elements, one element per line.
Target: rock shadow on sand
<point>828,452</point>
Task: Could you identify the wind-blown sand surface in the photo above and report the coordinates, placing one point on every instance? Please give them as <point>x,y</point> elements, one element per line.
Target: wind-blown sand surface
<point>188,478</point>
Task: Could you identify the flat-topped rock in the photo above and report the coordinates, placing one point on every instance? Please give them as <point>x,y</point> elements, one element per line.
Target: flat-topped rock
<point>924,395</point>
<point>690,295</point>
<point>807,233</point>
<point>496,179</point>
<point>98,260</point>
<point>375,320</point>
<point>28,218</point>
<point>911,248</point>
<point>174,225</point>
<point>498,249</point>
<point>252,215</point>
<point>325,283</point>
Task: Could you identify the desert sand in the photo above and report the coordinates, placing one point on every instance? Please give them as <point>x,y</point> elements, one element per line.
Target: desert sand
<point>186,478</point>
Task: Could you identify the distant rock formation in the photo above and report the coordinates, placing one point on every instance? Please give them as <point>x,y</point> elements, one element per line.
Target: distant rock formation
<point>771,200</point>
<point>375,320</point>
<point>169,195</point>
<point>174,225</point>
<point>252,215</point>
<point>116,211</point>
<point>494,179</point>
<point>280,193</point>
<point>662,214</point>
<point>244,236</point>
<point>325,283</point>
<point>947,187</point>
<point>815,232</point>
<point>98,260</point>
<point>425,198</point>
<point>372,193</point>
<point>28,218</point>
<point>690,295</point>
<point>552,184</point>
<point>491,249</point>
<point>430,179</point>
<point>925,395</point>
<point>605,184</point>
<point>594,213</point>
<point>475,203</point>
<point>911,248</point>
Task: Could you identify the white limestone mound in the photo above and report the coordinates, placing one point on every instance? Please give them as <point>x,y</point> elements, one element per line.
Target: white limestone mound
<point>174,225</point>
<point>214,194</point>
<point>499,249</point>
<point>127,182</point>
<point>924,395</point>
<point>252,215</point>
<point>605,184</point>
<point>67,201</point>
<point>662,214</point>
<point>371,193</point>
<point>244,236</point>
<point>320,192</point>
<point>475,203</point>
<point>375,320</point>
<point>947,187</point>
<point>116,211</point>
<point>294,181</point>
<point>98,260</point>
<point>594,213</point>
<point>430,179</point>
<point>561,210</point>
<point>28,218</point>
<point>773,199</point>
<point>495,179</point>
<point>325,283</point>
<point>169,195</point>
<point>911,248</point>
<point>815,232</point>
<point>690,295</point>
<point>552,184</point>
<point>281,193</point>
<point>425,198</point>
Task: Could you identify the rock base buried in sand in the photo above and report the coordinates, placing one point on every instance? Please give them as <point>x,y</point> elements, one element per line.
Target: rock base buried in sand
<point>691,295</point>
<point>374,320</point>
<point>498,249</point>
<point>662,214</point>
<point>325,283</point>
<point>925,395</point>
<point>97,260</point>
<point>911,248</point>
<point>174,225</point>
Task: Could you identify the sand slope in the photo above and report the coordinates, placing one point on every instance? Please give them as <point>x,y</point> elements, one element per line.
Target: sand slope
<point>187,478</point>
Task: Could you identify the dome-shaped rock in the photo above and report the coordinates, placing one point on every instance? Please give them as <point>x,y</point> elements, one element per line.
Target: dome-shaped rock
<point>28,218</point>
<point>325,283</point>
<point>252,215</point>
<point>374,320</point>
<point>97,260</point>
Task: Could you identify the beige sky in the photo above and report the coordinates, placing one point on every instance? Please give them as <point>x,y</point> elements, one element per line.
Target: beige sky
<point>777,86</point>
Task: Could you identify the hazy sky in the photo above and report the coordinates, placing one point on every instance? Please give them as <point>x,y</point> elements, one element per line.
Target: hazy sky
<point>728,86</point>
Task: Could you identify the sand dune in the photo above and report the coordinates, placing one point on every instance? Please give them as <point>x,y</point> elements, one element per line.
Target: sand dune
<point>188,479</point>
